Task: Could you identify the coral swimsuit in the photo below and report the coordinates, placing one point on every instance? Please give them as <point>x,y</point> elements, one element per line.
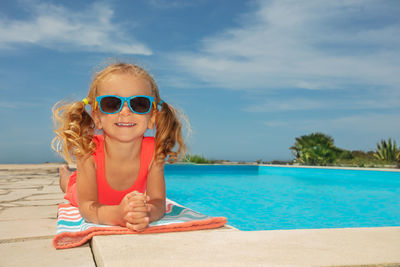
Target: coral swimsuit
<point>106,194</point>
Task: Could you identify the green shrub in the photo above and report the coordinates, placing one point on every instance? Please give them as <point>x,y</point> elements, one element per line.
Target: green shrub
<point>387,151</point>
<point>362,159</point>
<point>195,159</point>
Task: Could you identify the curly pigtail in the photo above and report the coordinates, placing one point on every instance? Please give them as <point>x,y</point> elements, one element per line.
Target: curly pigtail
<point>168,134</point>
<point>74,129</point>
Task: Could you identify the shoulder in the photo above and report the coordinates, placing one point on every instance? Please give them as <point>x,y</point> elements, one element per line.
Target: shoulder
<point>156,167</point>
<point>85,164</point>
<point>149,143</point>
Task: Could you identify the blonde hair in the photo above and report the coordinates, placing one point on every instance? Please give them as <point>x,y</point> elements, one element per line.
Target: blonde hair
<point>74,127</point>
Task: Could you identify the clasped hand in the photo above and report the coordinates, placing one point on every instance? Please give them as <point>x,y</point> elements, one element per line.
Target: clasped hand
<point>134,211</point>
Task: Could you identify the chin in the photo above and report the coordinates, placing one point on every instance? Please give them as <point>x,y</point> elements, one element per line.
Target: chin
<point>128,139</point>
<point>125,137</point>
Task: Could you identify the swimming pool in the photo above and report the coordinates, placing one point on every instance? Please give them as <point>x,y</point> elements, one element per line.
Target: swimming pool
<point>271,198</point>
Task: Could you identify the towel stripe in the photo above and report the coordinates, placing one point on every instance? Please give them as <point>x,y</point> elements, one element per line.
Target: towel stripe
<point>73,230</point>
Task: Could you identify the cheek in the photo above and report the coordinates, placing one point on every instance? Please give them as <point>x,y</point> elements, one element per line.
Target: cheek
<point>145,121</point>
<point>151,121</point>
<point>98,119</point>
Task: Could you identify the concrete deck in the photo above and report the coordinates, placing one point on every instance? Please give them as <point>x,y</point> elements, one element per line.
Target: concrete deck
<point>29,195</point>
<point>331,247</point>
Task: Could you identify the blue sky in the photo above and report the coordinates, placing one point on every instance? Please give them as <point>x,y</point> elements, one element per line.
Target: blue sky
<point>251,76</point>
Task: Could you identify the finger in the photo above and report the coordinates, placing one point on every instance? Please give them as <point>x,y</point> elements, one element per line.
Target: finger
<point>137,209</point>
<point>141,226</point>
<point>145,208</point>
<point>132,194</point>
<point>138,220</point>
<point>136,203</point>
<point>136,217</point>
<point>138,200</point>
<point>130,226</point>
<point>138,197</point>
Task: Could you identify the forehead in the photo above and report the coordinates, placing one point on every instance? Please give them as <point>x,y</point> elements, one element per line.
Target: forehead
<point>124,84</point>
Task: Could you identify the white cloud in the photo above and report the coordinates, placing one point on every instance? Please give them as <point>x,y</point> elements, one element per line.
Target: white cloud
<point>272,105</point>
<point>168,4</point>
<point>21,104</point>
<point>302,44</point>
<point>59,28</point>
<point>7,105</point>
<point>350,102</point>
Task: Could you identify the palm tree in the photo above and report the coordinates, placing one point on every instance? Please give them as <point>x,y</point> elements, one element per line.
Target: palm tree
<point>315,149</point>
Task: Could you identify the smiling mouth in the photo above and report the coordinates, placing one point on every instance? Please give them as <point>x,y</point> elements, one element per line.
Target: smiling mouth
<point>125,124</point>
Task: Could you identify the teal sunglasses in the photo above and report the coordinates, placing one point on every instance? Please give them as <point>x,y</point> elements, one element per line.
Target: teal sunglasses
<point>139,104</point>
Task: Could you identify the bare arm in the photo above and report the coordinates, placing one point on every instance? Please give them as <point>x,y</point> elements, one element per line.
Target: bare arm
<point>156,191</point>
<point>89,206</point>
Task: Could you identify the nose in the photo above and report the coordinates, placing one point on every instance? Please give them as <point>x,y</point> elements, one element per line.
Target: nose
<point>125,109</point>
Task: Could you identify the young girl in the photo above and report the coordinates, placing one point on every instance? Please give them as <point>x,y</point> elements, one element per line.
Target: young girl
<point>120,173</point>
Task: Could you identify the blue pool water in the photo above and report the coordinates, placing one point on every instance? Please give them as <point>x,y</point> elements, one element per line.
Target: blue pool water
<point>270,198</point>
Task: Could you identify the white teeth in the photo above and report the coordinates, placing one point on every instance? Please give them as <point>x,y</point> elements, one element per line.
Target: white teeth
<point>125,124</point>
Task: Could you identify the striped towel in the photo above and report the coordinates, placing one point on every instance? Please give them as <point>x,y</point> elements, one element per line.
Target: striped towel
<point>73,230</point>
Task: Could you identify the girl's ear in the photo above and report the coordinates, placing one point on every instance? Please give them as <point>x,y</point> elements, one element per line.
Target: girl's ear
<point>152,121</point>
<point>96,119</point>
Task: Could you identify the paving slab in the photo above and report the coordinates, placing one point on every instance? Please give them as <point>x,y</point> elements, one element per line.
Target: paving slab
<point>41,253</point>
<point>28,213</point>
<point>53,189</point>
<point>17,194</point>
<point>29,195</point>
<point>56,196</point>
<point>48,167</point>
<point>320,247</point>
<point>37,203</point>
<point>40,179</point>
<point>20,229</point>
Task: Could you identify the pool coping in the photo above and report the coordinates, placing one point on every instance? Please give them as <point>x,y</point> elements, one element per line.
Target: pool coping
<point>227,247</point>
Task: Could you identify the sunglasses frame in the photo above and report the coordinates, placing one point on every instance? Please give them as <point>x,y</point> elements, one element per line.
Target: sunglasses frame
<point>127,100</point>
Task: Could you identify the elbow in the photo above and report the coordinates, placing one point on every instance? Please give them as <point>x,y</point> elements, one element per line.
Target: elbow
<point>157,209</point>
<point>162,207</point>
<point>88,211</point>
<point>162,210</point>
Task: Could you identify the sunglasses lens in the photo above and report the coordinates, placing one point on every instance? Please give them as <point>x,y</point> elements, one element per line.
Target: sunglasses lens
<point>110,104</point>
<point>140,104</point>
